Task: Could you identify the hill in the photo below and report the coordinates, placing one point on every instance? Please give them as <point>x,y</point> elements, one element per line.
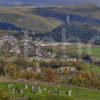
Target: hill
<point>84,21</point>
<point>73,31</point>
<point>27,21</point>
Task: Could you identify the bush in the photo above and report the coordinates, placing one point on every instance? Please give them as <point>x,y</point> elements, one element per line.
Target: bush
<point>52,76</point>
<point>38,76</point>
<point>26,75</point>
<point>4,95</point>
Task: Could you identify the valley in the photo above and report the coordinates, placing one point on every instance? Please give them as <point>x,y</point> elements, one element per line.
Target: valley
<point>49,52</point>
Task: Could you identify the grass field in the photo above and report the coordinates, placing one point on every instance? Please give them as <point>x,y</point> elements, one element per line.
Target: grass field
<point>94,51</point>
<point>83,94</point>
<point>94,69</point>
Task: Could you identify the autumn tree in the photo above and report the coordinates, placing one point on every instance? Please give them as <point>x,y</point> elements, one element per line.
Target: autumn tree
<point>10,69</point>
<point>52,76</point>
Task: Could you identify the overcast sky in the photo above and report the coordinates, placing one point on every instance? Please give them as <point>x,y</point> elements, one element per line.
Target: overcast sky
<point>18,2</point>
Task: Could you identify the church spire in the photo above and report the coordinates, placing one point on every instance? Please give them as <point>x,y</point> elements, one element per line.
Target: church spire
<point>68,19</point>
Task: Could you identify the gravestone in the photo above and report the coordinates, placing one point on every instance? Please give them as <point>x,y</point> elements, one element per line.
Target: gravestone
<point>45,89</point>
<point>70,93</point>
<point>26,87</point>
<point>13,91</point>
<point>21,91</point>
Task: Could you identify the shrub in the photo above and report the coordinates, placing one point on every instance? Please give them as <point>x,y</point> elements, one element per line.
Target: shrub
<point>4,95</point>
<point>52,76</point>
<point>26,75</point>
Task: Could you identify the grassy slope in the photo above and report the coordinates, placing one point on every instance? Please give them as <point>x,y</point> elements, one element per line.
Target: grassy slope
<point>28,21</point>
<point>38,23</point>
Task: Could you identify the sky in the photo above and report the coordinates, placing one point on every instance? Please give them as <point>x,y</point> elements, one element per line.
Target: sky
<point>48,2</point>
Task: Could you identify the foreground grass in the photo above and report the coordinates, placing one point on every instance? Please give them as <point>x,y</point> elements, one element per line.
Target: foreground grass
<point>77,93</point>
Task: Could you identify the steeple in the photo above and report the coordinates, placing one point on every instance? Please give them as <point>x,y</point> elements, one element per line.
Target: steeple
<point>67,19</point>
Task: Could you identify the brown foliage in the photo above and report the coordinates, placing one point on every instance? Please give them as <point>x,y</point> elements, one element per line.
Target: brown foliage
<point>26,75</point>
<point>52,76</point>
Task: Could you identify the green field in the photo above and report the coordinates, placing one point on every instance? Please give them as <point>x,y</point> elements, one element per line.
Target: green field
<point>83,94</point>
<point>94,51</point>
<point>94,69</point>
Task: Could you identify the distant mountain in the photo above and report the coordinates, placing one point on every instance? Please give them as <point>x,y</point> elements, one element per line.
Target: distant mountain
<point>50,21</point>
<point>47,2</point>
